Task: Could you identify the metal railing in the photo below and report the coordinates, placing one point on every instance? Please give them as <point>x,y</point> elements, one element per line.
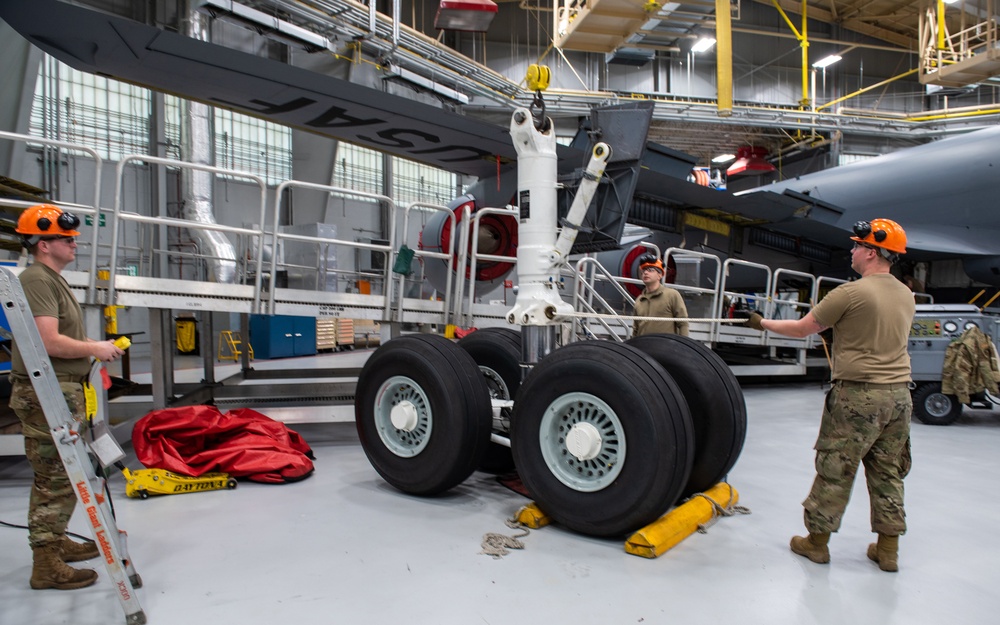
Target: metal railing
<point>475,256</point>
<point>585,294</point>
<point>282,236</point>
<point>93,210</point>
<point>120,216</point>
<point>447,256</point>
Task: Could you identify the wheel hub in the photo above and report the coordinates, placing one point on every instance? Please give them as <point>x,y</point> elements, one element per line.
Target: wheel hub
<point>583,441</point>
<point>404,416</point>
<point>938,405</point>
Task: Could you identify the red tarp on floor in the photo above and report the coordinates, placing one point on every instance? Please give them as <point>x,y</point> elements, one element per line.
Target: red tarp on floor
<point>243,443</point>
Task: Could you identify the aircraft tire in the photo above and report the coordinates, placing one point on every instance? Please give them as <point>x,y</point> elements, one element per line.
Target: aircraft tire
<point>715,399</point>
<point>630,432</point>
<point>423,413</point>
<point>932,407</point>
<point>497,352</point>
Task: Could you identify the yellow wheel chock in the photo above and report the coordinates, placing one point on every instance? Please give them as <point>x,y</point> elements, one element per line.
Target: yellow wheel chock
<point>659,536</point>
<point>531,516</point>
<point>669,530</point>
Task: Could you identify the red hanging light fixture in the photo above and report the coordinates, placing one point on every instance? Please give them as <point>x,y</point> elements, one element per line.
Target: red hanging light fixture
<point>750,160</point>
<point>466,15</point>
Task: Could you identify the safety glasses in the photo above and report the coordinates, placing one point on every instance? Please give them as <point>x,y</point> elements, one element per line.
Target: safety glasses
<point>59,237</point>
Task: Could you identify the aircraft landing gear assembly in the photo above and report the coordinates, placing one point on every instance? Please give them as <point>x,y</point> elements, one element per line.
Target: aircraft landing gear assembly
<point>606,436</point>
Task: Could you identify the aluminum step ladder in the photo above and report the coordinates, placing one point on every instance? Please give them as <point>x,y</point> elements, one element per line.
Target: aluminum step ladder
<point>73,449</point>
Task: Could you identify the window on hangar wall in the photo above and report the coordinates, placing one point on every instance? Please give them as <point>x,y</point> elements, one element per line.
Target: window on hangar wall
<point>112,117</point>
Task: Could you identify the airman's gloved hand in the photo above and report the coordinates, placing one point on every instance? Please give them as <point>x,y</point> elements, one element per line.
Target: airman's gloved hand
<point>753,321</point>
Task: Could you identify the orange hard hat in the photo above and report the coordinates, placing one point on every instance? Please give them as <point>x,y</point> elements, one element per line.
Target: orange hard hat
<point>46,220</point>
<point>883,233</point>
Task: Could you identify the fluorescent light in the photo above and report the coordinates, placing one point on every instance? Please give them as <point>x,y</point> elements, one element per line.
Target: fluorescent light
<point>395,71</point>
<point>826,62</point>
<point>264,24</point>
<point>950,1</point>
<point>723,158</point>
<point>703,44</point>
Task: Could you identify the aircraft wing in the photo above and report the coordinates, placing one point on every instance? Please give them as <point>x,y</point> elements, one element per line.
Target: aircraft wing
<point>132,52</point>
<point>942,193</point>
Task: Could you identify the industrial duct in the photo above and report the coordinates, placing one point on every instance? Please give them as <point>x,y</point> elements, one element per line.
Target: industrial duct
<point>196,186</point>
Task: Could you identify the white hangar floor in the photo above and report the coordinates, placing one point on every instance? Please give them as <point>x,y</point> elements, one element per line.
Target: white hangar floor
<point>344,547</point>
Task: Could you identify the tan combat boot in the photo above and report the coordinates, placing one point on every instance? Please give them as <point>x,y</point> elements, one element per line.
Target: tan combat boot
<point>77,552</point>
<point>51,572</point>
<point>813,546</point>
<point>885,553</point>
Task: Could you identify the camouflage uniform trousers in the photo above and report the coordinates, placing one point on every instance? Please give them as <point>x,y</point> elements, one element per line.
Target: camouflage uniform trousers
<point>52,497</point>
<point>869,424</point>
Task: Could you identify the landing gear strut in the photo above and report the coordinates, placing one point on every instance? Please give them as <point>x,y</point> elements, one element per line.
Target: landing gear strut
<point>605,436</point>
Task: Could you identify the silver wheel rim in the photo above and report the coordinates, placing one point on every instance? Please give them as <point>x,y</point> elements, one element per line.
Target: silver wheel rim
<point>396,391</point>
<point>938,405</point>
<point>590,412</point>
<point>498,390</point>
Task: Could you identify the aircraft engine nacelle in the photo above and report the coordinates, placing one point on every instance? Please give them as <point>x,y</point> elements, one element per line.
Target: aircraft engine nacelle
<point>496,235</point>
<point>985,269</point>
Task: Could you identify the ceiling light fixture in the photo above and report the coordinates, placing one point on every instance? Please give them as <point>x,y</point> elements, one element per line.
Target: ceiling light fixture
<point>263,24</point>
<point>394,71</point>
<point>703,44</point>
<point>723,158</point>
<point>750,160</point>
<point>827,61</point>
<point>472,16</point>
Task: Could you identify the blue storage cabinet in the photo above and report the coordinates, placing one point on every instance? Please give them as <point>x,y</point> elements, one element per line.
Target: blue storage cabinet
<point>281,336</point>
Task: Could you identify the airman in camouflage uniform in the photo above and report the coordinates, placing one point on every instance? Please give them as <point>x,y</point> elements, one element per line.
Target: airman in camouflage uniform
<point>50,236</point>
<point>866,418</point>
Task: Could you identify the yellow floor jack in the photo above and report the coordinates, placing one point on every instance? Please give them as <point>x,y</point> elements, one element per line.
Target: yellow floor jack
<point>140,483</point>
<point>145,482</point>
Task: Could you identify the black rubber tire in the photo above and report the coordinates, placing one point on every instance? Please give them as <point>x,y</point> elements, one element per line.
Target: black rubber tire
<point>497,352</point>
<point>648,459</point>
<point>454,411</point>
<point>932,407</point>
<point>508,332</point>
<point>715,399</point>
